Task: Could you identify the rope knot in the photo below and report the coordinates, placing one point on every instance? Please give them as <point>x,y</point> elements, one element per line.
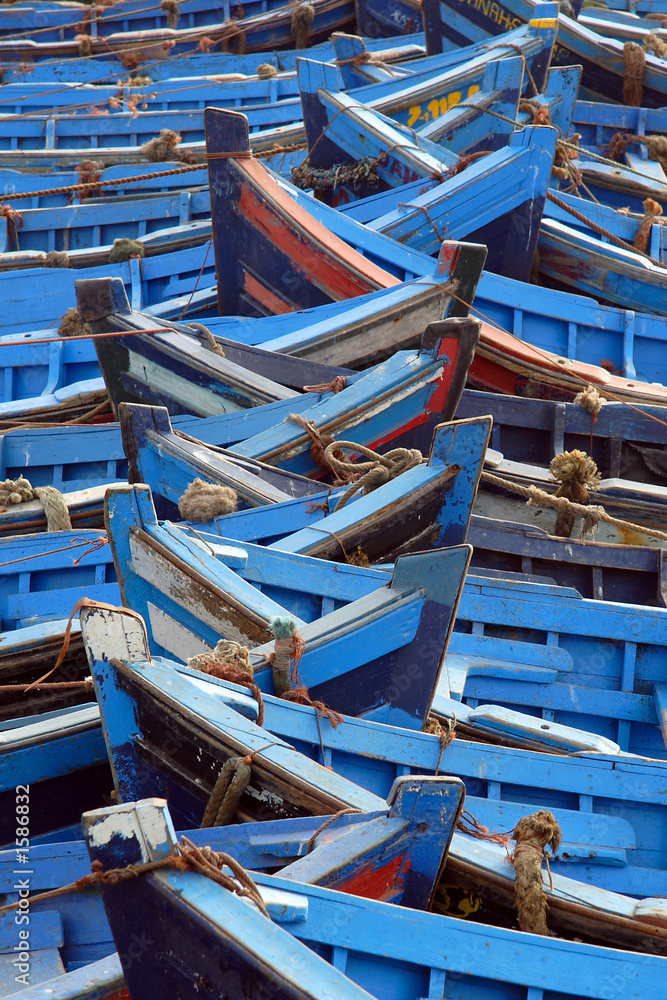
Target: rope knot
<point>230,661</point>
<point>303,16</point>
<point>532,835</point>
<point>651,212</point>
<point>162,147</point>
<point>288,649</point>
<point>590,399</point>
<point>208,337</point>
<point>15,491</point>
<point>172,10</point>
<point>14,222</point>
<point>72,325</point>
<point>90,171</point>
<point>319,440</point>
<point>336,385</point>
<point>577,473</point>
<point>202,502</point>
<point>368,476</point>
<point>125,249</point>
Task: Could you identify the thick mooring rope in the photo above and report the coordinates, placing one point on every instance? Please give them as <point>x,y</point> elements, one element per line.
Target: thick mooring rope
<point>17,491</point>
<point>532,834</point>
<point>187,856</point>
<point>591,515</point>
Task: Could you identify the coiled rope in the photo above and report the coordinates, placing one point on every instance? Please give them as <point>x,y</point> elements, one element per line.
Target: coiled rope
<point>367,476</point>
<point>17,491</point>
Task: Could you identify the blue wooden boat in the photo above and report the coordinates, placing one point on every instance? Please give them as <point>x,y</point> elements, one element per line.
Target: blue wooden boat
<point>579,260</point>
<point>271,29</point>
<point>47,138</point>
<point>39,364</point>
<point>396,854</point>
<point>632,175</point>
<point>573,258</point>
<point>101,71</point>
<point>399,401</point>
<point>23,653</point>
<point>313,334</point>
<point>450,23</point>
<point>85,457</point>
<point>558,683</point>
<point>616,850</point>
<point>61,755</point>
<point>130,15</point>
<point>411,225</point>
<point>45,574</point>
<point>223,82</point>
<point>220,923</point>
<point>175,93</point>
<point>627,573</point>
<point>179,256</point>
<point>621,440</point>
<point>624,226</point>
<point>601,846</point>
<point>190,599</point>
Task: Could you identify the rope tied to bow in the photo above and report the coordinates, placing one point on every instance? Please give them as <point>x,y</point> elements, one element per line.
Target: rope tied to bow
<point>185,856</point>
<point>14,222</point>
<point>467,823</point>
<point>303,16</point>
<point>319,441</point>
<point>445,731</point>
<point>202,502</point>
<point>300,696</point>
<point>540,114</point>
<point>230,661</point>
<point>591,400</point>
<point>652,210</point>
<point>350,810</point>
<point>208,337</point>
<point>634,63</point>
<point>532,834</point>
<point>265,71</point>
<point>288,648</point>
<point>368,476</point>
<point>16,491</point>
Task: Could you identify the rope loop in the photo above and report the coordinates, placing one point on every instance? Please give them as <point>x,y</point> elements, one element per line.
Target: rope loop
<point>368,476</point>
